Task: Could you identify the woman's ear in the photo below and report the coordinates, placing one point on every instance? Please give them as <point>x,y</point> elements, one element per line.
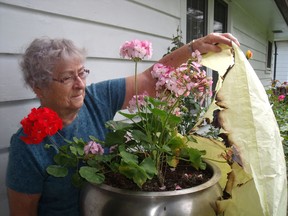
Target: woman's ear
<point>38,92</point>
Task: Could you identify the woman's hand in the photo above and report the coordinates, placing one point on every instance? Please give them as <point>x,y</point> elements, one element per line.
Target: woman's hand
<point>209,42</point>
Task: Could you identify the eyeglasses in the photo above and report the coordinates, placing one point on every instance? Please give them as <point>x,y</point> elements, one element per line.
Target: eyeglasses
<point>72,78</point>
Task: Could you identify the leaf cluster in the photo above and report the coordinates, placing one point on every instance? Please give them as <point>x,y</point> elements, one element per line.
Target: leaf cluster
<point>153,143</point>
<point>280,109</point>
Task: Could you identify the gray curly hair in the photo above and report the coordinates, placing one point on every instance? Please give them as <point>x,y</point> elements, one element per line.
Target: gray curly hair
<point>41,57</point>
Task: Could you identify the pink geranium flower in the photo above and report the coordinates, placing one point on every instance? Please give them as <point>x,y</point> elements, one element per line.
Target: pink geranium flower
<point>136,50</point>
<point>281,97</point>
<point>93,148</point>
<point>138,100</point>
<point>182,81</point>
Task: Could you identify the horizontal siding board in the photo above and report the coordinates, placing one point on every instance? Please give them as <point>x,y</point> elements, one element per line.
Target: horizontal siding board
<point>248,22</point>
<point>103,69</point>
<point>82,31</point>
<point>109,12</point>
<point>12,87</point>
<point>252,35</point>
<point>172,6</point>
<point>257,65</point>
<point>250,41</point>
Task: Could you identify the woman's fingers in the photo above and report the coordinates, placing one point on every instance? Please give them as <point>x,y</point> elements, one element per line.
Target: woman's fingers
<point>209,42</point>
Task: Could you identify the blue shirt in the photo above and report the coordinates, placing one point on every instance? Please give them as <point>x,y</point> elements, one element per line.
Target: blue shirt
<point>26,171</point>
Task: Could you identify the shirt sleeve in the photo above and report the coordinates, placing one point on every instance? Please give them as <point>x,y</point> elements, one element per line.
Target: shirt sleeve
<point>108,94</point>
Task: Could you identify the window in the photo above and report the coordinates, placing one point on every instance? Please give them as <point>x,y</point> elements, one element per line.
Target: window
<point>197,16</point>
<point>220,16</point>
<point>220,26</point>
<point>196,19</point>
<point>269,55</point>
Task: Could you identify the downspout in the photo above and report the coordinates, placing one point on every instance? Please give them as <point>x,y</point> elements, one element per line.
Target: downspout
<point>275,59</point>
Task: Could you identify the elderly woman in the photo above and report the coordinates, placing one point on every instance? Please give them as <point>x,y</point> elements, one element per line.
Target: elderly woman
<point>54,69</point>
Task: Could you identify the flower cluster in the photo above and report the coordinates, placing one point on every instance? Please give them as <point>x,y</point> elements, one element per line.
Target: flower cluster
<point>40,123</point>
<point>182,81</point>
<point>136,50</point>
<point>278,97</point>
<point>137,101</point>
<point>281,97</point>
<point>94,148</point>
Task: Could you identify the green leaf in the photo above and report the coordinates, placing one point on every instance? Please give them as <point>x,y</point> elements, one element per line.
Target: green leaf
<point>174,120</point>
<point>79,148</point>
<point>140,136</point>
<point>140,178</point>
<point>128,157</point>
<point>115,138</point>
<point>77,180</point>
<point>156,102</point>
<point>96,139</point>
<point>128,169</point>
<point>191,139</point>
<point>149,166</point>
<point>176,142</point>
<point>128,115</point>
<point>134,172</point>
<point>172,161</point>
<point>117,125</point>
<point>195,157</point>
<point>57,171</point>
<point>161,113</point>
<point>91,174</point>
<point>73,150</point>
<point>77,140</point>
<point>66,160</point>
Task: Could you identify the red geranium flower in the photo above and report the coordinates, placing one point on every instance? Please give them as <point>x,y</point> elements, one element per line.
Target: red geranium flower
<point>40,123</point>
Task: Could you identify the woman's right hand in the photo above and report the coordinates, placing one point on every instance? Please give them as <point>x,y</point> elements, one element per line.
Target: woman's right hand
<point>209,43</point>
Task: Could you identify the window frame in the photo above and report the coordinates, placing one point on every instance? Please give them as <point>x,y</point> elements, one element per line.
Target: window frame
<point>269,55</point>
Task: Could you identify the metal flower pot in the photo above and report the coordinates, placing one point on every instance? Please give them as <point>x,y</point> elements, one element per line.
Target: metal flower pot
<point>104,200</point>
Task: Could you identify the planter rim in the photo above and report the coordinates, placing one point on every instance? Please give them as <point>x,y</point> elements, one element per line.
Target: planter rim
<point>215,178</point>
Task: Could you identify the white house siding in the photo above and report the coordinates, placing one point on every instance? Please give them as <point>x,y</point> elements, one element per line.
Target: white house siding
<point>100,26</point>
<point>253,35</point>
<point>282,61</point>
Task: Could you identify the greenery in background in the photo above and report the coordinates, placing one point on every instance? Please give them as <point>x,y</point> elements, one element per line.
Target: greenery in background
<point>176,42</point>
<point>277,94</point>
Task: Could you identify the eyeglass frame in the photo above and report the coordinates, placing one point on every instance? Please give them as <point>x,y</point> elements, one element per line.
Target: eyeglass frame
<point>74,77</point>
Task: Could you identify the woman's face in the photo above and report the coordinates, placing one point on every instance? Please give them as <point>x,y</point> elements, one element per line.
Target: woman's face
<point>65,94</point>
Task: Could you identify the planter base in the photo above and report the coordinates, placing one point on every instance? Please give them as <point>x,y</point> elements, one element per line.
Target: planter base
<point>104,200</point>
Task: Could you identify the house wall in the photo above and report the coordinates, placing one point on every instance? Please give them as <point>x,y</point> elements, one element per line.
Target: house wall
<point>282,64</point>
<point>252,34</point>
<point>99,26</point>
